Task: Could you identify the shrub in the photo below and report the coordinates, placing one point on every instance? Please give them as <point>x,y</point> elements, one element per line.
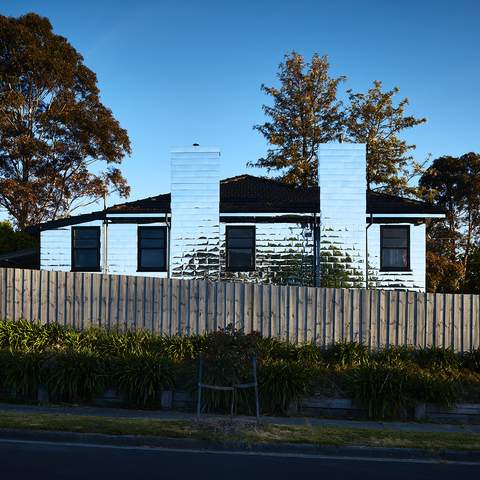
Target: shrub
<point>74,376</point>
<point>393,356</point>
<point>382,390</point>
<point>273,349</point>
<point>347,354</point>
<point>391,391</point>
<point>113,342</point>
<point>435,358</point>
<point>471,360</point>
<point>142,377</point>
<point>20,372</point>
<point>282,382</point>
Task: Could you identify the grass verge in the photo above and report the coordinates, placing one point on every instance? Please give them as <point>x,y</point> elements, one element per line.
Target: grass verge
<point>250,433</point>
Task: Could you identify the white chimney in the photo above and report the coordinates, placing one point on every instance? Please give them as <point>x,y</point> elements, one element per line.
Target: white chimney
<point>343,189</point>
<point>195,206</point>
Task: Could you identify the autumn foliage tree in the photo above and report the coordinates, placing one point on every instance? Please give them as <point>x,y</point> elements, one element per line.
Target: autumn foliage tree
<point>374,118</point>
<point>454,184</point>
<point>60,147</point>
<point>305,113</point>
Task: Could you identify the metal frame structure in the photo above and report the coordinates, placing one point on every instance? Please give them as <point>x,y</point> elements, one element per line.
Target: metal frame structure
<point>232,388</point>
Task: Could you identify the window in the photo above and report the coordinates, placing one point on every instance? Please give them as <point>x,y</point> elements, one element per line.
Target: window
<point>240,249</point>
<point>395,248</point>
<point>86,249</point>
<point>152,249</point>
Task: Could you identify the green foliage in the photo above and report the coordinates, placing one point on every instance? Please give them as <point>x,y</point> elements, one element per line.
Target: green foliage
<point>389,391</point>
<point>373,118</point>
<point>347,354</point>
<point>74,376</point>
<point>443,359</point>
<point>75,366</point>
<point>142,377</point>
<point>10,240</point>
<point>305,113</point>
<point>454,184</point>
<point>282,382</point>
<point>471,360</point>
<point>21,372</point>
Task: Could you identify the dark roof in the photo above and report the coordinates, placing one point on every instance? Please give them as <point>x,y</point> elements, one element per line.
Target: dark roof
<point>384,203</point>
<point>249,194</point>
<point>157,204</point>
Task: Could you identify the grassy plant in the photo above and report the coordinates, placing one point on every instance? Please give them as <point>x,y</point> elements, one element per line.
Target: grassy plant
<point>21,372</point>
<point>283,382</point>
<point>73,376</point>
<point>382,390</point>
<point>75,365</point>
<point>141,378</point>
<point>434,358</point>
<point>347,354</point>
<point>471,360</point>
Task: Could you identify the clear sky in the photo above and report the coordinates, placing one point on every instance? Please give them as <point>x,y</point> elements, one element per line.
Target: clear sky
<point>185,71</point>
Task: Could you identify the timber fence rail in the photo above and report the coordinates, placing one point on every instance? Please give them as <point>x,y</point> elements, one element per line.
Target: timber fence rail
<point>298,314</point>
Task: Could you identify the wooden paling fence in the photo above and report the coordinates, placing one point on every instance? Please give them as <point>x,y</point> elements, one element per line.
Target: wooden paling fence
<point>299,314</point>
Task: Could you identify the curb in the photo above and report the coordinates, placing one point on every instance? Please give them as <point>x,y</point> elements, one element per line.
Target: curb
<point>237,446</point>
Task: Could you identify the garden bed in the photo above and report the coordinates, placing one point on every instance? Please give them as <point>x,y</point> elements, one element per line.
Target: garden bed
<point>138,369</point>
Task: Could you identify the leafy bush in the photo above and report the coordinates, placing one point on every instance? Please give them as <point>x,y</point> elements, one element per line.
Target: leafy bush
<point>389,391</point>
<point>22,373</point>
<point>142,377</point>
<point>382,390</point>
<point>435,358</point>
<point>282,382</point>
<point>347,354</point>
<point>74,376</point>
<point>77,365</point>
<point>471,360</point>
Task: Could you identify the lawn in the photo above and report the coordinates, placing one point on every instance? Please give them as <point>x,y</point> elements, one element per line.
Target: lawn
<point>221,431</point>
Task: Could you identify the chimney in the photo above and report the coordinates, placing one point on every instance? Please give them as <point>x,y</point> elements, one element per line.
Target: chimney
<point>343,188</point>
<point>195,206</point>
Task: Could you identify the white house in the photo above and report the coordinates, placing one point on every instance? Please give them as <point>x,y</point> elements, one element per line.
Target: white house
<point>253,229</point>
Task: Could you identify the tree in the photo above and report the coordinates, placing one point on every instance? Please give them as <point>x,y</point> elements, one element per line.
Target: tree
<point>53,126</point>
<point>472,280</point>
<point>373,119</point>
<point>305,113</point>
<point>454,184</point>
<point>10,240</point>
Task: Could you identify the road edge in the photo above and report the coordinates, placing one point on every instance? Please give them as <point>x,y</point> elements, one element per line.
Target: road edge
<point>237,446</point>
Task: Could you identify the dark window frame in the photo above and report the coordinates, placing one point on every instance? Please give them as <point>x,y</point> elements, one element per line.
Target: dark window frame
<point>74,268</point>
<point>408,248</point>
<point>250,268</point>
<point>139,249</point>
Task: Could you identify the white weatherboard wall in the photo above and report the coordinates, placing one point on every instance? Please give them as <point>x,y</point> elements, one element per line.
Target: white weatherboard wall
<point>411,280</point>
<point>195,207</point>
<point>56,245</point>
<point>343,186</point>
<point>123,248</point>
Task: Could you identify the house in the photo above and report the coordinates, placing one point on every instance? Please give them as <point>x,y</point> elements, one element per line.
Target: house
<point>253,229</point>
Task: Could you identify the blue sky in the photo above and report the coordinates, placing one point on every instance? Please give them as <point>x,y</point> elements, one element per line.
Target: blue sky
<point>179,72</point>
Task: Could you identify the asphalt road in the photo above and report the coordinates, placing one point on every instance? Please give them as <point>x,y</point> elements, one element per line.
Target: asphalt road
<point>38,461</point>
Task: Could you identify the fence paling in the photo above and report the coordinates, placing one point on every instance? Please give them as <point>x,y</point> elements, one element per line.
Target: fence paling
<point>298,314</point>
